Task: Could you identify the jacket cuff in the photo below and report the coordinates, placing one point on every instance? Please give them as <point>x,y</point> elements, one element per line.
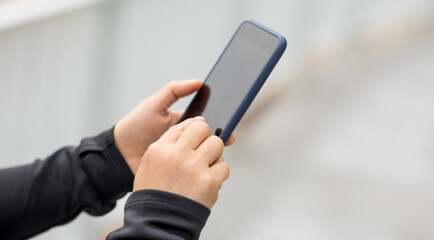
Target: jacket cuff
<point>155,214</point>
<point>171,200</point>
<point>105,166</point>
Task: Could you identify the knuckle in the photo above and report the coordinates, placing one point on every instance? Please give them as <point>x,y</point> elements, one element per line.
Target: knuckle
<point>203,126</point>
<point>207,181</point>
<point>218,141</point>
<point>189,121</point>
<point>219,185</point>
<point>171,86</point>
<point>184,124</point>
<point>215,182</point>
<point>177,128</point>
<point>226,166</point>
<point>172,83</point>
<point>227,169</point>
<point>152,148</point>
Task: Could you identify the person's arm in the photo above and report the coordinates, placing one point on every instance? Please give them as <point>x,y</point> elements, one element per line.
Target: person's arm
<point>176,184</point>
<point>90,177</point>
<point>50,192</point>
<point>153,214</point>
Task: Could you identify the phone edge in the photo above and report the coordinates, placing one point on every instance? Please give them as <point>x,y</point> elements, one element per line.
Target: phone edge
<point>259,82</point>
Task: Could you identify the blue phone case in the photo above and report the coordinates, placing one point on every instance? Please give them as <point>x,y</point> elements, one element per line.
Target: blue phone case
<point>254,89</point>
<point>248,99</point>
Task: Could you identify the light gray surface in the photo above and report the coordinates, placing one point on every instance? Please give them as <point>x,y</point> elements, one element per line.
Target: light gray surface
<point>345,153</point>
<point>353,160</point>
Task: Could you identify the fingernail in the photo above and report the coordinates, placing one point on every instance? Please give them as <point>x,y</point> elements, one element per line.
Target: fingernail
<point>200,118</point>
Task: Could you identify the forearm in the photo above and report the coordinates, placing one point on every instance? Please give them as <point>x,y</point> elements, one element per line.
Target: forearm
<point>38,196</point>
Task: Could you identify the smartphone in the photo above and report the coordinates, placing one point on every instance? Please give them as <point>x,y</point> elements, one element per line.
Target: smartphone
<point>236,77</point>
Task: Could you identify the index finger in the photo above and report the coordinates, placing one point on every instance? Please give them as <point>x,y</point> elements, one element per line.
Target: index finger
<point>230,140</point>
<point>172,135</point>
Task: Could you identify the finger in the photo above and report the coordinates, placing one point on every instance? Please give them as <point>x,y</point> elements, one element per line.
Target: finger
<point>175,90</point>
<point>211,148</point>
<point>174,132</point>
<point>221,170</point>
<point>230,140</point>
<point>175,116</point>
<point>195,134</point>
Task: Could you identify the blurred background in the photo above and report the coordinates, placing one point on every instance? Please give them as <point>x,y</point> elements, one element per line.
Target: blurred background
<point>339,144</point>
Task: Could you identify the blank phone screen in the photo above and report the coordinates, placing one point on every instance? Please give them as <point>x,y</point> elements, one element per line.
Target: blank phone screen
<point>232,76</point>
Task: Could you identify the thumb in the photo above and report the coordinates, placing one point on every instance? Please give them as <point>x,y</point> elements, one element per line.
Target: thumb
<point>175,90</point>
<point>175,116</point>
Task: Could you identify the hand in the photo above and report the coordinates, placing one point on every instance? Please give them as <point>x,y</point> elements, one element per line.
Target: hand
<point>150,119</point>
<point>186,161</point>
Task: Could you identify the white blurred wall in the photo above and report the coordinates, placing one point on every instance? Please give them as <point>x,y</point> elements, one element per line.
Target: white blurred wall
<point>338,145</point>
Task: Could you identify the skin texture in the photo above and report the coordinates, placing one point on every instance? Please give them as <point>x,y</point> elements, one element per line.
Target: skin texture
<point>146,123</point>
<point>186,161</point>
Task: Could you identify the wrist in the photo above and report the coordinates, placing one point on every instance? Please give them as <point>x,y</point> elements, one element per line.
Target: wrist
<point>123,149</point>
<point>105,166</point>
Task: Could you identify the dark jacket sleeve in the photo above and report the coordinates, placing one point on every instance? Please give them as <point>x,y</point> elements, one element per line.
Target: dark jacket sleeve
<point>152,214</point>
<point>50,192</point>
